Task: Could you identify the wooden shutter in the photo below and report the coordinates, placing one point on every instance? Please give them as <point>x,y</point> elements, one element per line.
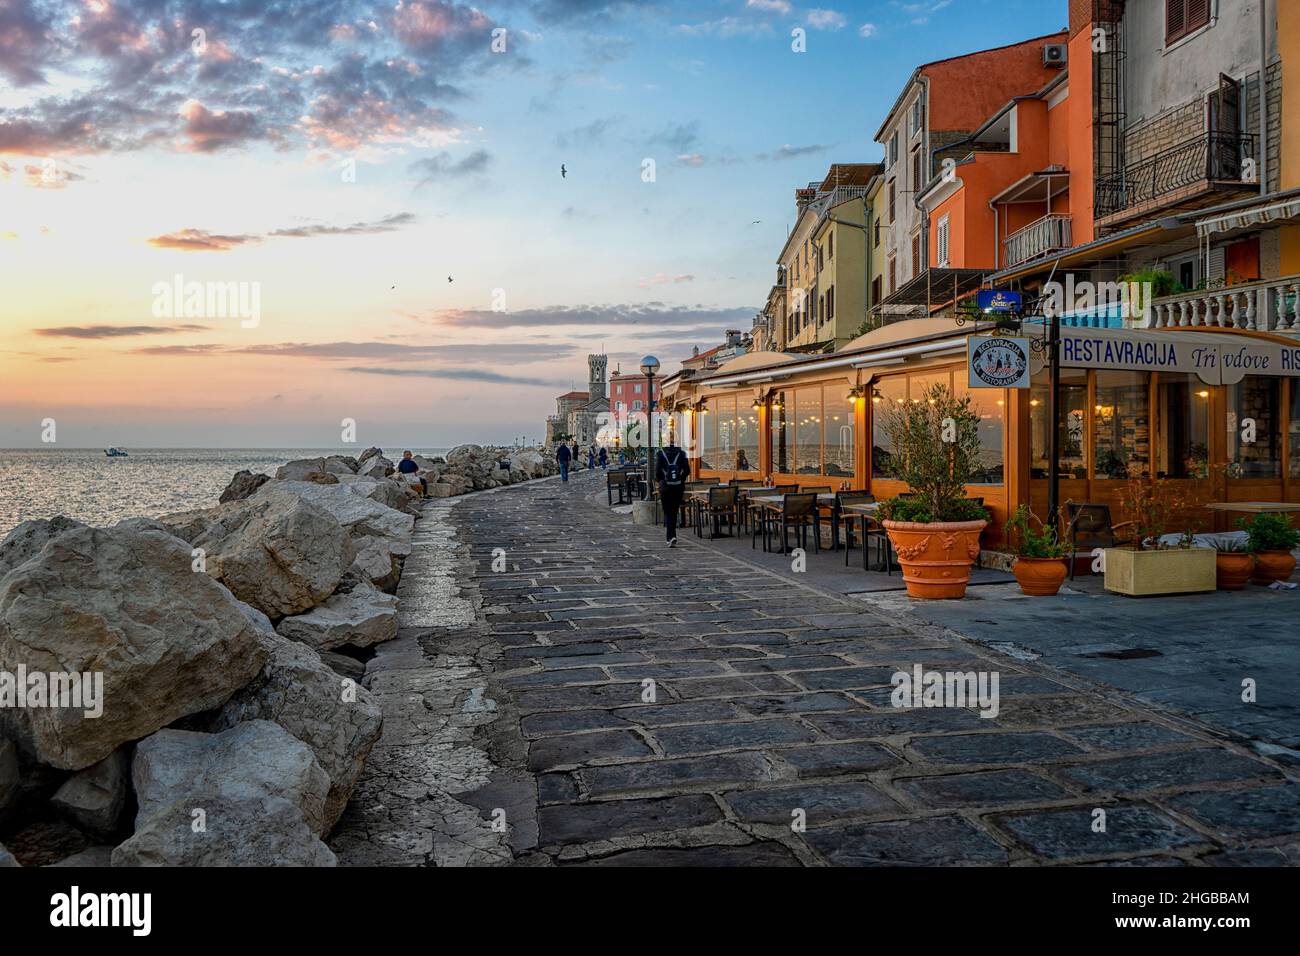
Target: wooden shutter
<point>1198,14</point>
<point>1175,19</point>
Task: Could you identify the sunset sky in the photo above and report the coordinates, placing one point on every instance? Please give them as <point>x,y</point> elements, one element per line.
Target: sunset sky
<point>133,151</point>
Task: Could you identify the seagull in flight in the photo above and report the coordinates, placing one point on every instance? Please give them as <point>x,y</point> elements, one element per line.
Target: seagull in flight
<point>448,278</point>
<point>564,173</point>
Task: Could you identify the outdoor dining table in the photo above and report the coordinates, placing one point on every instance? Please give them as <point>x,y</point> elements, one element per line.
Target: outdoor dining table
<point>867,508</point>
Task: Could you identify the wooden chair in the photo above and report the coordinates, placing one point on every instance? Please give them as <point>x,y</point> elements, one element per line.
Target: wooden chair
<point>616,481</point>
<point>1090,525</point>
<point>838,517</point>
<point>798,511</point>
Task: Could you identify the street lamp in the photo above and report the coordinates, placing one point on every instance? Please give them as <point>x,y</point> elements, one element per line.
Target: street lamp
<point>649,366</point>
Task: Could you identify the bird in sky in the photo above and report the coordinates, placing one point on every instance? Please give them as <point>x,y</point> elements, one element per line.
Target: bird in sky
<point>563,172</point>
<point>448,278</point>
<point>756,222</point>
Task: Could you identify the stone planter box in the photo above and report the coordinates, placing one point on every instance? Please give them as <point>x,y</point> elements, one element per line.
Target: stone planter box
<point>1172,571</point>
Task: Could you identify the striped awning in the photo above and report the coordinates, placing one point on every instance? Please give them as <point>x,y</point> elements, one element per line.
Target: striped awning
<point>1252,216</point>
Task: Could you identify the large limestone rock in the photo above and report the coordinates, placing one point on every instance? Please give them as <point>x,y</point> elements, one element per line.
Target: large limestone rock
<point>333,716</point>
<point>123,603</point>
<point>341,465</point>
<point>361,617</point>
<point>462,454</point>
<point>26,540</point>
<point>94,798</point>
<point>377,467</point>
<point>278,552</point>
<point>371,452</point>
<point>530,463</point>
<point>299,468</point>
<point>257,791</point>
<point>243,484</point>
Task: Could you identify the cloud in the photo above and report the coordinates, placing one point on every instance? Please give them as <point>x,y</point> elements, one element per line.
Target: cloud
<point>679,137</point>
<point>867,30</point>
<point>459,375</point>
<point>790,152</point>
<point>593,134</point>
<point>521,352</point>
<point>725,27</point>
<point>826,20</point>
<point>24,42</point>
<point>114,331</point>
<point>200,240</point>
<point>387,224</point>
<point>208,130</point>
<point>615,318</point>
<point>660,278</point>
<point>769,6</point>
<point>49,175</point>
<point>441,167</point>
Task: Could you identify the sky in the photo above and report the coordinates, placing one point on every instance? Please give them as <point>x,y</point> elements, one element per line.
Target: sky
<point>417,216</point>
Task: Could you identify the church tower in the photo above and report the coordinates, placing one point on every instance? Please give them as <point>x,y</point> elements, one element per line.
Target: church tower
<point>596,385</point>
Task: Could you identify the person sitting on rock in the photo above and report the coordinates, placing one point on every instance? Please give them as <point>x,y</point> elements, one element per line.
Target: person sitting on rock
<point>407,466</point>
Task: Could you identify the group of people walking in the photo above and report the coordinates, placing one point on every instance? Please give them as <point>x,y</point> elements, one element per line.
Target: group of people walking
<point>569,458</point>
<point>672,470</point>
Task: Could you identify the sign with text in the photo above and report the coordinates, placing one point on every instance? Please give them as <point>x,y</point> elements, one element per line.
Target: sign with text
<point>997,362</point>
<point>1216,359</point>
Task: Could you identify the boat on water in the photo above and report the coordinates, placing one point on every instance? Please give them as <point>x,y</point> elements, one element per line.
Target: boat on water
<point>115,453</point>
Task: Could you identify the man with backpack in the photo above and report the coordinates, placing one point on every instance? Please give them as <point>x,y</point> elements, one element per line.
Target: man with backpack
<point>673,468</point>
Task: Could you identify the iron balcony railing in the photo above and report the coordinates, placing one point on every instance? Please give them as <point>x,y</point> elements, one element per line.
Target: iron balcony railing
<point>1212,157</point>
<point>1038,238</point>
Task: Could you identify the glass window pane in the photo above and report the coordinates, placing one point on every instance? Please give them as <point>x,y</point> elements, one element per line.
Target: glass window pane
<point>885,393</point>
<point>1255,405</point>
<point>1122,425</point>
<point>1295,429</point>
<point>746,436</point>
<point>707,423</point>
<point>1183,439</point>
<point>1072,446</point>
<point>839,431</point>
<point>988,404</point>
<point>808,431</point>
<point>725,411</point>
<point>782,435</point>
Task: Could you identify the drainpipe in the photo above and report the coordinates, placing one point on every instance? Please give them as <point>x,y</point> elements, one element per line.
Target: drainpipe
<point>1263,96</point>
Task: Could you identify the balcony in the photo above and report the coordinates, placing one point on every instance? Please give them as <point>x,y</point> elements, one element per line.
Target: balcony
<point>1037,239</point>
<point>1190,175</point>
<point>1269,305</point>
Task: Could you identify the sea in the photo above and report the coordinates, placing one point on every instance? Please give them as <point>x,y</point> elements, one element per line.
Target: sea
<point>85,484</point>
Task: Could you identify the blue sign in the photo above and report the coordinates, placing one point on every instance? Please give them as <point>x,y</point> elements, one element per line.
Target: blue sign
<point>997,301</point>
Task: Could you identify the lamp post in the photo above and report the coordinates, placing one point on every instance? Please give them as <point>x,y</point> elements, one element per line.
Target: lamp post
<point>649,366</point>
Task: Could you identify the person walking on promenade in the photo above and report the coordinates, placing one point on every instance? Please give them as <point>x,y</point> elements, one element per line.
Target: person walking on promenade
<point>591,457</point>
<point>604,458</point>
<point>672,468</point>
<point>564,456</point>
<point>573,456</point>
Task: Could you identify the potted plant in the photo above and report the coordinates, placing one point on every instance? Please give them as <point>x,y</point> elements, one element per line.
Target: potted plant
<point>1152,564</point>
<point>1233,564</point>
<point>1040,566</point>
<point>1271,539</point>
<point>935,530</point>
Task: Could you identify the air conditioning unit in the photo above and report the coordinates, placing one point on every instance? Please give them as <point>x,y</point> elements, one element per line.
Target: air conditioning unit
<point>1055,54</point>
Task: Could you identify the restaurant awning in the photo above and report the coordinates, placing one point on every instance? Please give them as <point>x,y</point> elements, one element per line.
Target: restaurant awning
<point>1215,358</point>
<point>936,286</point>
<point>1252,216</point>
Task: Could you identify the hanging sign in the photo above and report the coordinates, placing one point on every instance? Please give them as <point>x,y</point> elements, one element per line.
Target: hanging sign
<point>997,362</point>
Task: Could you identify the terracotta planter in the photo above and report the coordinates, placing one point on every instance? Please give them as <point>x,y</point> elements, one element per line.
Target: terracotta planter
<point>1040,577</point>
<point>935,558</point>
<point>1272,566</point>
<point>1232,569</point>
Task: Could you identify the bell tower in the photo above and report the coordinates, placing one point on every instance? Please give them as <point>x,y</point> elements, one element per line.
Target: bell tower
<point>596,384</point>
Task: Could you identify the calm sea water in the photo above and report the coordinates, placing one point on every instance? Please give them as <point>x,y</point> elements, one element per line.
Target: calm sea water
<point>83,483</point>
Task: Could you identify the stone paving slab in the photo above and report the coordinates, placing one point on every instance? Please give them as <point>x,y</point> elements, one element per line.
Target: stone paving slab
<point>618,703</point>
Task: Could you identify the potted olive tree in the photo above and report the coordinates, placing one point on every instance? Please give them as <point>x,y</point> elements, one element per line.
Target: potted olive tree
<point>1040,566</point>
<point>1271,539</point>
<point>935,529</point>
<point>1153,564</point>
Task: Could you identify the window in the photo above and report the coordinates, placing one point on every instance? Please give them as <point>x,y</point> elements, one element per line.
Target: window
<point>1072,447</point>
<point>821,263</point>
<point>1255,401</point>
<point>891,201</point>
<point>746,437</point>
<point>885,392</point>
<point>636,406</point>
<point>830,246</point>
<point>1183,437</point>
<point>706,424</point>
<point>636,388</point>
<point>893,274</point>
<point>1185,16</point>
<point>915,120</point>
<point>840,430</point>
<point>917,180</point>
<point>988,404</point>
<point>876,234</point>
<point>941,242</point>
<point>1121,426</point>
<point>830,304</point>
<point>875,290</point>
<point>893,149</point>
<point>808,431</point>
<point>916,255</point>
<point>782,435</point>
<point>1294,427</point>
<point>723,412</point>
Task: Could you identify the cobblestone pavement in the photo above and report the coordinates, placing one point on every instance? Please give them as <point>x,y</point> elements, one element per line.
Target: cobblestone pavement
<point>520,727</point>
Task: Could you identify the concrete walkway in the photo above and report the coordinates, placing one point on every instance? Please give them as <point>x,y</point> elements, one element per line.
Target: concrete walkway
<point>566,690</point>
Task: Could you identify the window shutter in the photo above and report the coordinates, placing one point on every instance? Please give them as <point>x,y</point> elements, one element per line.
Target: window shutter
<point>1175,19</point>
<point>1198,14</point>
<point>1216,266</point>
